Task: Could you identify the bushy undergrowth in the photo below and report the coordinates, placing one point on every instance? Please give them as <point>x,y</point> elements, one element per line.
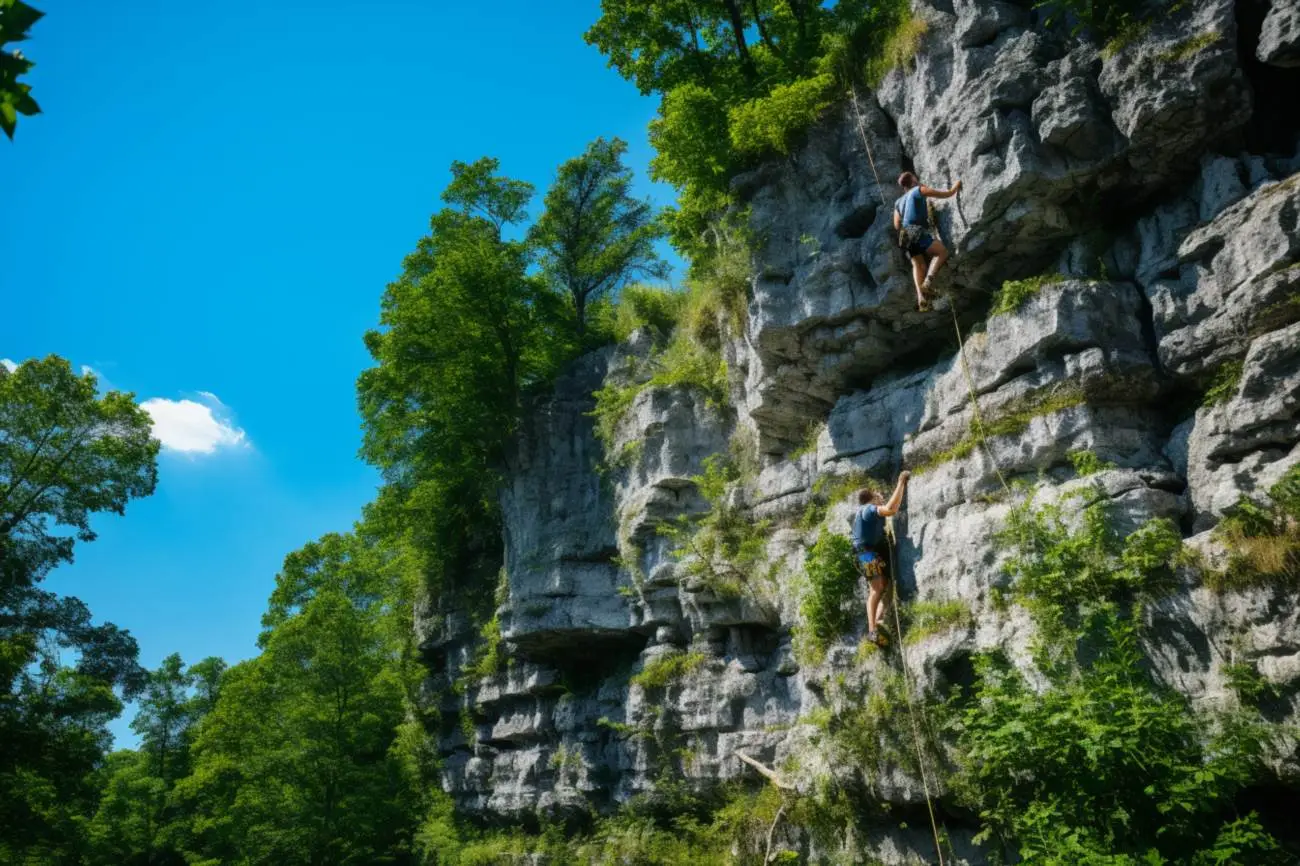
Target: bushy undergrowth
<point>827,605</point>
<point>1070,560</point>
<point>1087,463</point>
<point>1224,384</point>
<point>691,327</point>
<point>1015,293</point>
<point>724,548</point>
<point>662,671</point>
<point>640,306</point>
<point>1263,539</point>
<point>926,618</point>
<point>1102,765</point>
<point>898,48</point>
<point>774,123</point>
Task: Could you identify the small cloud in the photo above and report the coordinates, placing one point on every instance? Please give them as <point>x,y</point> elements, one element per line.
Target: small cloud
<point>8,365</point>
<point>191,427</point>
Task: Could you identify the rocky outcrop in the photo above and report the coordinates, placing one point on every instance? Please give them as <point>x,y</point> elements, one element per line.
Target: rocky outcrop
<point>1128,171</point>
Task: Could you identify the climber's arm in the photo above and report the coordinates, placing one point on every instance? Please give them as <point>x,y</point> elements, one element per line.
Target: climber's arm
<point>898,221</point>
<point>929,192</point>
<point>890,508</point>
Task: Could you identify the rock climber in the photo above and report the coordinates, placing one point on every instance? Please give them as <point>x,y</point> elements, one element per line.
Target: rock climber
<point>911,221</point>
<point>869,548</point>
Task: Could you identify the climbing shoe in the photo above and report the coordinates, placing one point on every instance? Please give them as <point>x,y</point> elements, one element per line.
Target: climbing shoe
<point>877,638</point>
<point>924,306</point>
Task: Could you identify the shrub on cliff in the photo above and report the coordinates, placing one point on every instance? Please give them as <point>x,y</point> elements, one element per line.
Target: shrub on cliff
<point>1095,762</point>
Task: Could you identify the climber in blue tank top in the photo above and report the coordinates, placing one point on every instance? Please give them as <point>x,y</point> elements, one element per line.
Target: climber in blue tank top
<point>870,550</point>
<point>912,222</point>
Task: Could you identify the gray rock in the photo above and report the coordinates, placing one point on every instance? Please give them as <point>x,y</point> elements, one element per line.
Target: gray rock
<point>1244,445</point>
<point>1236,279</point>
<point>1070,159</point>
<point>1279,42</point>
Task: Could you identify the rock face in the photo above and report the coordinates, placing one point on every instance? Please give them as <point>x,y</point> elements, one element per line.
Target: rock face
<point>1130,173</point>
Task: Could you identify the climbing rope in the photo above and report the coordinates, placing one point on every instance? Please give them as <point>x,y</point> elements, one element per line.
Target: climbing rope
<point>976,419</point>
<point>907,691</point>
<point>880,189</point>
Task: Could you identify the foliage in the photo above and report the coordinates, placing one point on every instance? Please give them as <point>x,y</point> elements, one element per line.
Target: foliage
<point>1067,565</point>
<point>16,19</point>
<point>661,671</point>
<point>303,758</point>
<point>465,332</point>
<point>1119,21</point>
<point>1245,679</point>
<point>926,618</point>
<point>490,656</point>
<point>1263,540</point>
<point>740,82</point>
<point>640,306</point>
<point>66,454</point>
<point>1087,463</point>
<point>809,444</point>
<point>723,548</point>
<point>1014,293</point>
<point>832,585</point>
<point>1224,384</point>
<point>773,123</point>
<point>899,48</point>
<point>1012,420</point>
<point>1189,47</point>
<point>1044,764</point>
<point>593,236</point>
<point>135,822</point>
<point>829,489</point>
<point>683,363</point>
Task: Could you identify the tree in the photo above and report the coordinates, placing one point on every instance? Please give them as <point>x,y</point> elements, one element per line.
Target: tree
<point>594,237</point>
<point>464,333</point>
<point>137,821</point>
<point>296,764</point>
<point>65,454</point>
<point>16,18</point>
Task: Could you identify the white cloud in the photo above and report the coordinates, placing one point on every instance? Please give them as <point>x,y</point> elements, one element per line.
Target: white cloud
<point>191,427</point>
<point>8,365</point>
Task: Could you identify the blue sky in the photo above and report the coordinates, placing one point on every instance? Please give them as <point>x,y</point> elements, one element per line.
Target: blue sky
<point>207,213</point>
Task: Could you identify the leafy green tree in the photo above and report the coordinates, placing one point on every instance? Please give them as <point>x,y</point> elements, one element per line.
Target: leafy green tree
<point>65,454</point>
<point>298,762</point>
<point>463,334</point>
<point>137,821</point>
<point>16,18</point>
<point>594,237</point>
<point>740,81</point>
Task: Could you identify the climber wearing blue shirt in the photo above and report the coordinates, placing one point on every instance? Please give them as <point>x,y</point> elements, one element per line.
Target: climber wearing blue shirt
<point>869,548</point>
<point>911,221</point>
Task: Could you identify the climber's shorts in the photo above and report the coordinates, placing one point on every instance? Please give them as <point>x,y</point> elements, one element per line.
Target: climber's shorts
<point>872,565</point>
<point>915,240</point>
<point>920,245</point>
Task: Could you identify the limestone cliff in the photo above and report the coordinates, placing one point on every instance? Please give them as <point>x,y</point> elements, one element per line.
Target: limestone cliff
<point>1161,180</point>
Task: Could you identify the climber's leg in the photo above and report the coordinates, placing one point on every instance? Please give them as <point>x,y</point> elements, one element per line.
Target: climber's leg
<point>918,277</point>
<point>875,602</point>
<point>939,255</point>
